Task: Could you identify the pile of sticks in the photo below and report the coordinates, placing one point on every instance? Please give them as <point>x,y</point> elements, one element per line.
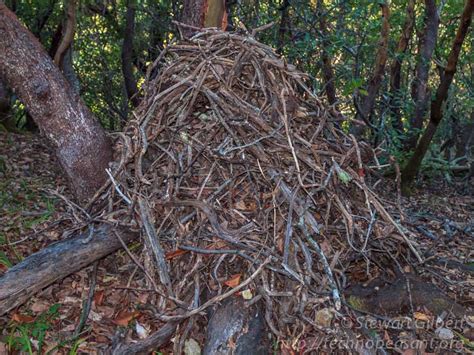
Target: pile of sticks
<point>242,181</point>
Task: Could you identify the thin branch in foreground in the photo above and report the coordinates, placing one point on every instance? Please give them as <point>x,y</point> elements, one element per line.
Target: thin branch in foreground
<point>327,269</point>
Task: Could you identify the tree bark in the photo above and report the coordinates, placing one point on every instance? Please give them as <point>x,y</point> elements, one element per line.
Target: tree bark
<point>396,67</point>
<point>420,91</point>
<point>4,102</point>
<point>364,111</point>
<point>284,26</point>
<point>5,110</point>
<point>204,13</point>
<point>70,30</point>
<point>411,169</point>
<point>127,55</point>
<point>328,72</point>
<point>81,145</point>
<point>54,263</point>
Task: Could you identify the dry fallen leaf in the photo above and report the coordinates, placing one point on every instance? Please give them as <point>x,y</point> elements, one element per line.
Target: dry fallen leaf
<point>240,205</point>
<point>99,297</point>
<point>22,318</point>
<point>123,318</point>
<point>233,281</point>
<point>175,254</point>
<point>191,347</point>
<point>421,316</point>
<point>40,306</point>
<point>94,316</point>
<point>324,317</point>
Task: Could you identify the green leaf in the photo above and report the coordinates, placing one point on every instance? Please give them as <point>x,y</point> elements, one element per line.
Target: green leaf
<point>343,176</point>
<point>4,260</point>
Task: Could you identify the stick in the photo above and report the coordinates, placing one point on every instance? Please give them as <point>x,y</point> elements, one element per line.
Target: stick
<point>324,261</point>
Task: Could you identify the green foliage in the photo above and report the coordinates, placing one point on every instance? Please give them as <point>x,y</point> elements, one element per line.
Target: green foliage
<point>4,259</point>
<point>21,336</point>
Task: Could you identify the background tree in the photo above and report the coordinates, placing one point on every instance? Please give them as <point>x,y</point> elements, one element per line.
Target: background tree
<point>80,142</point>
<point>420,90</point>
<point>437,103</point>
<point>396,66</point>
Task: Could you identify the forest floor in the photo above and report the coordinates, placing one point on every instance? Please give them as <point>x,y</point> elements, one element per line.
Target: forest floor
<point>32,216</point>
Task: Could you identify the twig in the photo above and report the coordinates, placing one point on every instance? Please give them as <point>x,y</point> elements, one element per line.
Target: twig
<point>324,261</point>
<point>135,260</point>
<point>86,304</point>
<point>218,298</point>
<point>152,239</point>
<point>117,188</point>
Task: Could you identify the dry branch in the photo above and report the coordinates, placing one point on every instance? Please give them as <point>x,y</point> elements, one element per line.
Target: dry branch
<point>55,262</point>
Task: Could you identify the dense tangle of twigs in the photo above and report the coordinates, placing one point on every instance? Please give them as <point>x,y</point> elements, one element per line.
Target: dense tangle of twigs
<point>233,166</point>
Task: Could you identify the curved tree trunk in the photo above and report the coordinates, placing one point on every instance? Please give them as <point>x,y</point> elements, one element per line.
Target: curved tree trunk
<point>70,30</point>
<point>81,145</point>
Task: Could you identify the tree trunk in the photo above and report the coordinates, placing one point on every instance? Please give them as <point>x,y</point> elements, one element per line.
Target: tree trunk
<point>81,145</point>
<point>5,110</point>
<point>410,171</point>
<point>328,72</point>
<point>396,67</point>
<point>68,37</point>
<point>127,55</point>
<point>420,91</point>
<point>204,13</point>
<point>364,110</point>
<point>284,26</point>
<point>4,102</point>
<point>54,263</point>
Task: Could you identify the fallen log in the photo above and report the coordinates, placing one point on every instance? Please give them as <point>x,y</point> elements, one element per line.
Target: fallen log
<point>55,262</point>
